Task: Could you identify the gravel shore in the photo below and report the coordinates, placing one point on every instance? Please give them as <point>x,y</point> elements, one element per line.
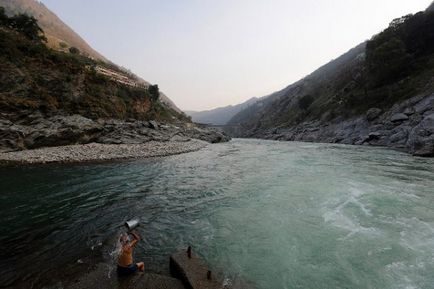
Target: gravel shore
<point>100,152</point>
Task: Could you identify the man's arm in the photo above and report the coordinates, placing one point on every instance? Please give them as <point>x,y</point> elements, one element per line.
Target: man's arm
<point>136,238</point>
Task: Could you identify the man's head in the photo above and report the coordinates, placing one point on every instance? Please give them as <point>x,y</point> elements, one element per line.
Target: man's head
<point>124,239</point>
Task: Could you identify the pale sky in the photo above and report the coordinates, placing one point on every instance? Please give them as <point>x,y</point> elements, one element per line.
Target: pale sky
<point>204,54</point>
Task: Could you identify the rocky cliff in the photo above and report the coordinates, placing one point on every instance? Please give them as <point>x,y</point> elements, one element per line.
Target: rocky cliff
<point>378,93</point>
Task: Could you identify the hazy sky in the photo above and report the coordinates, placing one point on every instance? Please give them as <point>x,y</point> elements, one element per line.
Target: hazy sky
<point>204,54</point>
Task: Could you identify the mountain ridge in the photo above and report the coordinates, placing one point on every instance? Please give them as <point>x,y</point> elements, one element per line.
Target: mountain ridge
<point>220,115</point>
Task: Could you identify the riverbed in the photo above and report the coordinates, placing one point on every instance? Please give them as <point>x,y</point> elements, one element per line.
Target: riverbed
<point>273,214</point>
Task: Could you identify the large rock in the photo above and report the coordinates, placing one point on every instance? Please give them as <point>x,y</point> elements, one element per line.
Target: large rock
<point>373,113</point>
<point>399,136</point>
<point>425,104</point>
<point>11,136</point>
<point>421,138</point>
<point>153,124</point>
<point>62,130</point>
<point>409,111</point>
<point>399,117</point>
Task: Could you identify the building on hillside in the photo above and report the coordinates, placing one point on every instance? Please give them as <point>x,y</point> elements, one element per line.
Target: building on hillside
<point>118,77</point>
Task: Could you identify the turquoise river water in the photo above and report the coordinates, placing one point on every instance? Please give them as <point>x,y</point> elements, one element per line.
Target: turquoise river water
<point>272,214</point>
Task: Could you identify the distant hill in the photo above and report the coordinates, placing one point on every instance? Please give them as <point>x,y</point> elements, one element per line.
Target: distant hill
<point>380,93</point>
<point>221,115</point>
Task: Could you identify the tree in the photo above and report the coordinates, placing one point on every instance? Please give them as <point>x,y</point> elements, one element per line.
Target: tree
<point>27,25</point>
<point>4,19</point>
<point>388,61</point>
<point>154,91</point>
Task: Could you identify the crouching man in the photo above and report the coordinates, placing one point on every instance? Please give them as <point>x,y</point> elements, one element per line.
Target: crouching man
<point>125,261</point>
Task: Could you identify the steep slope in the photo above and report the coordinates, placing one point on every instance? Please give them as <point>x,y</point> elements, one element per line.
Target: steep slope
<point>272,109</point>
<point>51,98</point>
<point>34,77</point>
<point>60,36</point>
<point>430,8</point>
<point>361,97</point>
<point>221,115</point>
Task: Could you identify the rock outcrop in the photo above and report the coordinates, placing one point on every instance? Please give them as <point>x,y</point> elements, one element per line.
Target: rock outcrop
<point>407,126</point>
<point>35,131</point>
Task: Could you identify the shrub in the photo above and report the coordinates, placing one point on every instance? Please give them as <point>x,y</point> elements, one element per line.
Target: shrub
<point>154,92</point>
<point>74,50</point>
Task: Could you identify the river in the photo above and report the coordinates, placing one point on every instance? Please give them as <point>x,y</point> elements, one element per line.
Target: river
<point>274,214</point>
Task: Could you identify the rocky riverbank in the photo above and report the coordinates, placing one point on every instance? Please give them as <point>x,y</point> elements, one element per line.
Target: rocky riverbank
<point>33,130</point>
<point>407,126</point>
<point>32,138</point>
<point>100,152</point>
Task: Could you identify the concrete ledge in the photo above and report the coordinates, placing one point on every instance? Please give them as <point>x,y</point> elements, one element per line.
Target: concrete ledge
<point>192,271</point>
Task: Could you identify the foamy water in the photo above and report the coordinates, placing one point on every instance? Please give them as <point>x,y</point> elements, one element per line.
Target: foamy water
<point>276,215</point>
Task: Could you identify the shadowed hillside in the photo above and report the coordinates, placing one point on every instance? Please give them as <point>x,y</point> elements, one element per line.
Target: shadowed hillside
<point>360,97</point>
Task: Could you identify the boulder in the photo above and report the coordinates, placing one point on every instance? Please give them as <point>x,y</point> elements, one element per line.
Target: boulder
<point>421,138</point>
<point>425,104</point>
<point>409,111</point>
<point>399,117</point>
<point>399,136</point>
<point>153,124</point>
<point>373,113</point>
<point>11,136</point>
<point>374,135</point>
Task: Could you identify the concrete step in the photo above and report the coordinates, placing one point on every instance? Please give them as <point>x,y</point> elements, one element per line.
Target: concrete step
<point>192,271</point>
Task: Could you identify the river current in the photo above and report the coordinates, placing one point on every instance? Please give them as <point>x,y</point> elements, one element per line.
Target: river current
<point>272,214</point>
